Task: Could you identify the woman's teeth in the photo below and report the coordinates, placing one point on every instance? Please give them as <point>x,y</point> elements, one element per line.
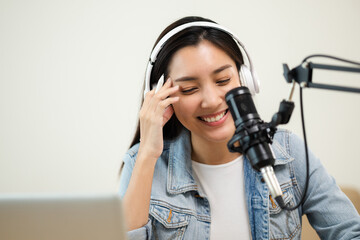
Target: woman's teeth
<point>215,118</point>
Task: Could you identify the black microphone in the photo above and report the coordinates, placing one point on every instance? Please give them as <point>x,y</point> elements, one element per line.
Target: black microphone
<point>252,138</point>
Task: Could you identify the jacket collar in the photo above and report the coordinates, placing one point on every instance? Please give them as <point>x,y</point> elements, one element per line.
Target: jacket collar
<point>180,178</point>
<point>281,152</point>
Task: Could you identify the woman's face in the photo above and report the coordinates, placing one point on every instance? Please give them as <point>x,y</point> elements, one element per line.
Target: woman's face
<point>204,73</point>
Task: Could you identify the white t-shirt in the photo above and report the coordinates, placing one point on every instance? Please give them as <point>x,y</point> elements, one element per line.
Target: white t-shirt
<point>224,187</point>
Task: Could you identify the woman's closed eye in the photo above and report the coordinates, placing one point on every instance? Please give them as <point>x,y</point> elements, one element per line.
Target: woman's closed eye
<point>191,90</point>
<point>187,91</point>
<point>223,82</point>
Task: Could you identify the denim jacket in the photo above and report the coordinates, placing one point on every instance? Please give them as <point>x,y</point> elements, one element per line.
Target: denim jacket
<point>178,211</point>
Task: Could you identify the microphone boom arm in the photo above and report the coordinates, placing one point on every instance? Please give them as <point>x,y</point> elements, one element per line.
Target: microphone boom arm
<point>302,74</point>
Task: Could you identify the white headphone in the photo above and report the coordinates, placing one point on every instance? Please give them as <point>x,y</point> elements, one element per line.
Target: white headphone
<point>248,76</point>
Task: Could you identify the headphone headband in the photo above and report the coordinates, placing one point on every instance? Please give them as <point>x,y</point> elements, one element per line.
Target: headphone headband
<point>178,29</point>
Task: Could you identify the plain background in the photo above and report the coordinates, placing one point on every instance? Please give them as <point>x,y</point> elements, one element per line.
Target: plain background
<point>71,74</point>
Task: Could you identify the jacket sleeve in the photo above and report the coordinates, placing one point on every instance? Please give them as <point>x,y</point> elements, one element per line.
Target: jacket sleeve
<point>143,233</point>
<point>328,209</point>
<point>126,171</point>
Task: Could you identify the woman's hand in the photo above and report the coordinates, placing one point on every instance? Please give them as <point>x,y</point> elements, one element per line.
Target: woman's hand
<point>155,112</point>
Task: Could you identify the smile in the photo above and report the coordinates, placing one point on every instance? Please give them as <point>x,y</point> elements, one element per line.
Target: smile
<point>214,118</point>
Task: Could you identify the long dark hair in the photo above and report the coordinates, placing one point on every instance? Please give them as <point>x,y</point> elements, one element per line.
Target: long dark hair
<point>188,37</point>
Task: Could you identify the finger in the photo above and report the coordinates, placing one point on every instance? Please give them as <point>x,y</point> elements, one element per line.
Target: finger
<point>169,111</point>
<point>165,103</point>
<point>147,103</point>
<point>155,105</point>
<point>148,96</point>
<point>160,83</point>
<point>162,88</point>
<point>165,93</point>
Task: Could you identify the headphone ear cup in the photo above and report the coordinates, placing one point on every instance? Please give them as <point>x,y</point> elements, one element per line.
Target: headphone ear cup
<point>246,78</point>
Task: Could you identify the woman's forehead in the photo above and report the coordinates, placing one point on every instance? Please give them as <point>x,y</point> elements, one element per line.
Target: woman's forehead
<point>204,56</point>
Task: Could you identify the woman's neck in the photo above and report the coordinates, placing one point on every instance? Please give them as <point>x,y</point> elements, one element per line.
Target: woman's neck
<point>212,153</point>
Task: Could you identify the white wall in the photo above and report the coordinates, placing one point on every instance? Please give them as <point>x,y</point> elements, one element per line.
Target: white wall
<point>71,73</point>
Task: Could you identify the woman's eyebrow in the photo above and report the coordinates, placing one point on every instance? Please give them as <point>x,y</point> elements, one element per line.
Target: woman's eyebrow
<point>184,79</point>
<point>222,68</point>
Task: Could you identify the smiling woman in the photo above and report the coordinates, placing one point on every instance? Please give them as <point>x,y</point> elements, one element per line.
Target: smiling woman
<point>204,74</point>
<point>181,181</point>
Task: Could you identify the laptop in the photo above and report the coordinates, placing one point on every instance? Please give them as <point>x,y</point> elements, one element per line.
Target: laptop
<point>65,217</point>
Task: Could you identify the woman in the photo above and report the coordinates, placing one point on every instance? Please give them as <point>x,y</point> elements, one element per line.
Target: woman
<point>179,179</point>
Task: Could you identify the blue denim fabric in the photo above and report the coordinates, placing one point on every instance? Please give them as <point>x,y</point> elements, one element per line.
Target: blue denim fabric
<point>179,211</point>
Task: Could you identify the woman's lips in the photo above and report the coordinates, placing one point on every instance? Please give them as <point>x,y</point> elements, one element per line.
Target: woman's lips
<point>214,119</point>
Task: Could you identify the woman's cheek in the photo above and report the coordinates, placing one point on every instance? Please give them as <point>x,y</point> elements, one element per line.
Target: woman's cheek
<point>227,89</point>
<point>185,105</point>
<point>178,106</point>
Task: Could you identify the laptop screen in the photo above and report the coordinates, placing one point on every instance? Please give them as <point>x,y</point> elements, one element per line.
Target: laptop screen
<point>55,217</point>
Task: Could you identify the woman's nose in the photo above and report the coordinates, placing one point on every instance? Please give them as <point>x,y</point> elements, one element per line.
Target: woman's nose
<point>211,97</point>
